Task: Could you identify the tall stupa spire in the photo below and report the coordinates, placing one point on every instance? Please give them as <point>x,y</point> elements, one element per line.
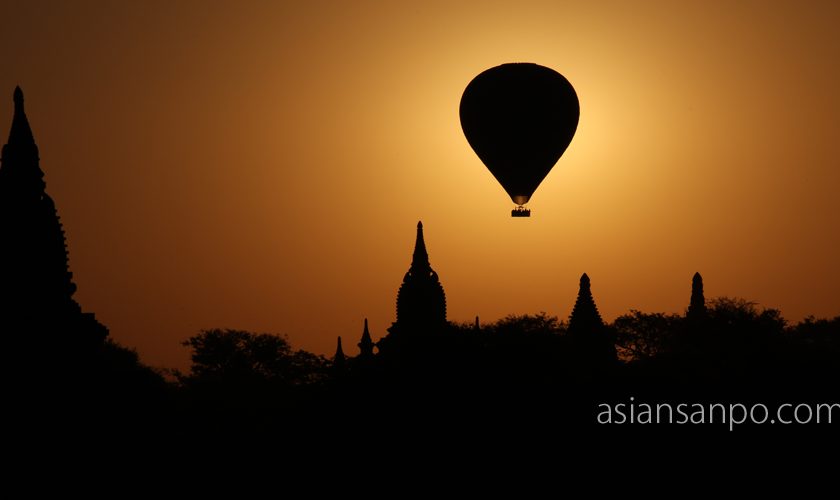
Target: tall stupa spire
<point>587,329</point>
<point>18,98</point>
<point>338,359</point>
<point>37,286</point>
<point>420,259</point>
<point>21,170</point>
<point>585,314</point>
<point>20,133</point>
<point>366,343</point>
<point>697,305</point>
<point>421,300</point>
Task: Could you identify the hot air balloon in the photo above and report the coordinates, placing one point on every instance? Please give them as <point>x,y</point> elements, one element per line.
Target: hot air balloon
<point>519,118</point>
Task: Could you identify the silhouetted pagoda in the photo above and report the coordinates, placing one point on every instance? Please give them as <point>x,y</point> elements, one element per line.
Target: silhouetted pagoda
<point>697,305</point>
<point>586,328</point>
<point>366,345</point>
<point>36,285</point>
<point>421,303</point>
<point>339,360</point>
<point>585,317</point>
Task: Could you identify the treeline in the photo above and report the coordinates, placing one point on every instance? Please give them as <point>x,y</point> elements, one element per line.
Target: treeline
<point>734,334</point>
<point>523,372</point>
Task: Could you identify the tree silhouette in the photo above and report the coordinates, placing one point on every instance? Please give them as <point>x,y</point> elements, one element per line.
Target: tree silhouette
<point>521,348</point>
<point>642,336</point>
<point>822,334</point>
<point>738,329</point>
<point>526,324</point>
<point>241,357</point>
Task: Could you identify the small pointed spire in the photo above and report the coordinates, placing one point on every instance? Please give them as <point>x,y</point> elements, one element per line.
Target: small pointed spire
<point>584,282</point>
<point>421,256</point>
<point>366,343</point>
<point>697,305</point>
<point>338,359</point>
<point>18,98</point>
<point>477,325</point>
<point>587,330</point>
<point>585,315</point>
<point>21,133</point>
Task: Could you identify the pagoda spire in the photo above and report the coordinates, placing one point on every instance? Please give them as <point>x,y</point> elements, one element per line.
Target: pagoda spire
<point>36,289</point>
<point>421,300</point>
<point>585,315</point>
<point>21,132</point>
<point>366,343</point>
<point>697,305</point>
<point>588,331</point>
<point>37,281</point>
<point>338,359</point>
<point>420,258</point>
<point>21,174</point>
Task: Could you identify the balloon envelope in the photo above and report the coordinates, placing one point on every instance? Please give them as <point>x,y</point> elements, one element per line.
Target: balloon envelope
<point>519,118</point>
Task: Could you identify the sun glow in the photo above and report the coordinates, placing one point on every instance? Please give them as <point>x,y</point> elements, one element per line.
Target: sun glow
<point>263,166</point>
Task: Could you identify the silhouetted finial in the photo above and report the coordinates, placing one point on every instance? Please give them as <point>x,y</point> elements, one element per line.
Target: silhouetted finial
<point>338,360</point>
<point>584,282</point>
<point>697,306</point>
<point>36,289</point>
<point>20,135</point>
<point>366,343</point>
<point>421,256</point>
<point>18,97</point>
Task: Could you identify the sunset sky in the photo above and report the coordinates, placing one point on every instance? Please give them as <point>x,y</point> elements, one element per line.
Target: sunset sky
<point>262,165</point>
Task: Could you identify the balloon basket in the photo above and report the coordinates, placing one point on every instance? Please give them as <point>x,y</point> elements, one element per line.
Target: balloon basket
<point>520,211</point>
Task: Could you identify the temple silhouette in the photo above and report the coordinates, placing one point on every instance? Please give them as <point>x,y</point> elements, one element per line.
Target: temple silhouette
<point>421,309</point>
<point>421,301</point>
<point>527,373</point>
<point>421,330</point>
<point>36,285</point>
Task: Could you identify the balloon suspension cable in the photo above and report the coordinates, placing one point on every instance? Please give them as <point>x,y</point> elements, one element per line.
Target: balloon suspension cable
<point>520,211</point>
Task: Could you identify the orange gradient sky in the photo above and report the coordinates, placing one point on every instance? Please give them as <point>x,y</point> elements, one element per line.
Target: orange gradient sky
<point>262,165</point>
